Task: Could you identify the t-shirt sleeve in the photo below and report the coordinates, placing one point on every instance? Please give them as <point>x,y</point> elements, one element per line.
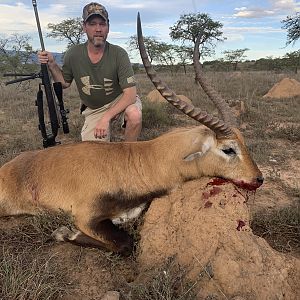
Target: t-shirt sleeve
<point>125,71</point>
<point>66,68</point>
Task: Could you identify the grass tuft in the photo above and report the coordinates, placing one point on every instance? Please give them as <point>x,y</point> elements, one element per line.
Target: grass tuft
<point>29,276</point>
<point>165,282</point>
<point>27,268</point>
<point>281,228</point>
<point>156,115</point>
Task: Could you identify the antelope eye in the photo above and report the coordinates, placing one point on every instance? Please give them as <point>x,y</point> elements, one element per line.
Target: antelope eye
<point>229,151</point>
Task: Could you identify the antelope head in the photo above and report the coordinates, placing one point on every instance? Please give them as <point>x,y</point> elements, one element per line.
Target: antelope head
<point>228,148</point>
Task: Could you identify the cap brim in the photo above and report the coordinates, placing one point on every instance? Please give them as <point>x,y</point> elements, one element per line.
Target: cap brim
<point>95,14</point>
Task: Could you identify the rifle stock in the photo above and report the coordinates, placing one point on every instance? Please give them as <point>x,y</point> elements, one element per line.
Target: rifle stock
<point>46,81</point>
<point>63,112</point>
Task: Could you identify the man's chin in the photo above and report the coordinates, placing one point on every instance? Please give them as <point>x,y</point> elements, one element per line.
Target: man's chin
<point>98,43</point>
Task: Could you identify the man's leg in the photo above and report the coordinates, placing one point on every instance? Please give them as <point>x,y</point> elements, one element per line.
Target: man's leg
<point>133,121</point>
<point>87,131</point>
<point>92,117</point>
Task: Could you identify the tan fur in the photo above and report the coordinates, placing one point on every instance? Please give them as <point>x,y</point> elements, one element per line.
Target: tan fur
<point>75,178</point>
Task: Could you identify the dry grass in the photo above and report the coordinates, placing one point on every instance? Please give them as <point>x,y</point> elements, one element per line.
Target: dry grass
<point>24,276</point>
<point>167,282</point>
<point>27,269</point>
<point>34,232</point>
<point>281,228</point>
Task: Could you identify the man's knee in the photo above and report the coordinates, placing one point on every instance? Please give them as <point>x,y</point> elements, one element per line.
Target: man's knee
<point>133,115</point>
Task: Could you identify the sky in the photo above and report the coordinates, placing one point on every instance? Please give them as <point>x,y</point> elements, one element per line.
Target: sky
<point>254,24</point>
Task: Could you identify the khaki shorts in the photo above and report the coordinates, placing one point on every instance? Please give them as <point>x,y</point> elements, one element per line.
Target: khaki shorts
<point>92,116</point>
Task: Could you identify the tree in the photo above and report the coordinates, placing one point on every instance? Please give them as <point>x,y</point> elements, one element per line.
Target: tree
<point>216,65</point>
<point>152,45</point>
<point>159,52</point>
<point>235,56</point>
<point>184,54</point>
<point>189,26</point>
<point>168,55</point>
<point>293,60</point>
<point>292,24</point>
<point>16,54</point>
<point>269,63</point>
<point>70,29</point>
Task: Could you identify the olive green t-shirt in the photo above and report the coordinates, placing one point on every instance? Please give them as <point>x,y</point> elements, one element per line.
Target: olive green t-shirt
<point>99,83</point>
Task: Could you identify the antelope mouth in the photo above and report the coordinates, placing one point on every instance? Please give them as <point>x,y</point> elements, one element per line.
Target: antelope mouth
<point>246,185</point>
<point>239,183</point>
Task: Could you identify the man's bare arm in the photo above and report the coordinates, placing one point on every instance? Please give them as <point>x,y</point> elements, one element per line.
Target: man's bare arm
<point>46,57</point>
<point>128,98</point>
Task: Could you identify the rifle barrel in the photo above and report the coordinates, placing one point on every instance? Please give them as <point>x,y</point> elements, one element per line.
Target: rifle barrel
<point>38,24</point>
<point>22,79</point>
<point>17,74</point>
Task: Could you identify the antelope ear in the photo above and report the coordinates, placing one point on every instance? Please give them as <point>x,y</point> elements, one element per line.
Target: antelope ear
<point>193,156</point>
<point>204,147</point>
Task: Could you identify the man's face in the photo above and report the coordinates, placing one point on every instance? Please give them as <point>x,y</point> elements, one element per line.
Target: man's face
<point>97,30</point>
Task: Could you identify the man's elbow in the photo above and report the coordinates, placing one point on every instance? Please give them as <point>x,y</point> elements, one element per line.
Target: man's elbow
<point>65,85</point>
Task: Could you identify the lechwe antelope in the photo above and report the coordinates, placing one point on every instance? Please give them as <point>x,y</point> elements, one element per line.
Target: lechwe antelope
<point>98,182</point>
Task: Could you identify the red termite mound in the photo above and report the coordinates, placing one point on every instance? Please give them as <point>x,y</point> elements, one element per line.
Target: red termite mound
<point>206,226</point>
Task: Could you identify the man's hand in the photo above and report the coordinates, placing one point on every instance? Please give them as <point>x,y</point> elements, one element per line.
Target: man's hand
<point>102,128</point>
<point>45,57</point>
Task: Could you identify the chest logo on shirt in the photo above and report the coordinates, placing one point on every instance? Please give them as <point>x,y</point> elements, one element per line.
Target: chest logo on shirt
<point>87,86</point>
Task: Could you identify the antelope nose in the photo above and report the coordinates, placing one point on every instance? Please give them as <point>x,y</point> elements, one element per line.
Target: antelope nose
<point>260,179</point>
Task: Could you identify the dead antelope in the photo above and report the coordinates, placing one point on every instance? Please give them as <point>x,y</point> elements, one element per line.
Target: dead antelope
<point>97,182</point>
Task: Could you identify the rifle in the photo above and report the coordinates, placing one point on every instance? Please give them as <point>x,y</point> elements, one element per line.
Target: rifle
<point>48,131</point>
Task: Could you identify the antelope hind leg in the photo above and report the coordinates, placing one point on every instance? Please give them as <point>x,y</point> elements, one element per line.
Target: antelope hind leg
<point>101,234</point>
<point>115,239</point>
<point>74,236</point>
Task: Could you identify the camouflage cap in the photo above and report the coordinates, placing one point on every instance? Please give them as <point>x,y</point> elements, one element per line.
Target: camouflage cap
<point>93,9</point>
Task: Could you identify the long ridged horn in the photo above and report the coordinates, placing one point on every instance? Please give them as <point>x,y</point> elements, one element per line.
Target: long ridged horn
<point>212,122</point>
<point>213,95</point>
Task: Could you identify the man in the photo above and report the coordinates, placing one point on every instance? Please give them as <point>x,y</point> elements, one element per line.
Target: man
<point>104,79</point>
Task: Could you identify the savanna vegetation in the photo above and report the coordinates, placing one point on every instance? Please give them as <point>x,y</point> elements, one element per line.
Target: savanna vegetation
<point>33,266</point>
